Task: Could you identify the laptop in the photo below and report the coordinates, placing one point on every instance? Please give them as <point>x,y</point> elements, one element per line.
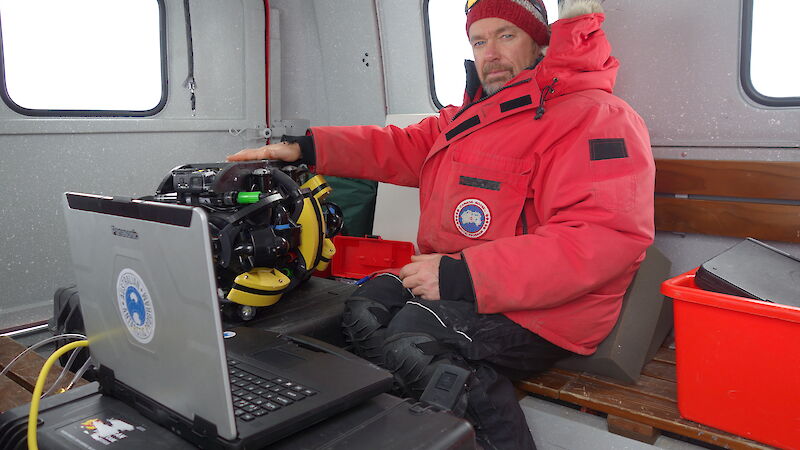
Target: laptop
<point>149,301</point>
<point>753,269</point>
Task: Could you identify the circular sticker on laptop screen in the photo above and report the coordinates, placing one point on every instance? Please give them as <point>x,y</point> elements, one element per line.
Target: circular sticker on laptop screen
<point>135,306</point>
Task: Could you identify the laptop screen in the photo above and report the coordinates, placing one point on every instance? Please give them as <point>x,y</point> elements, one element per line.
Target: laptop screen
<point>148,294</point>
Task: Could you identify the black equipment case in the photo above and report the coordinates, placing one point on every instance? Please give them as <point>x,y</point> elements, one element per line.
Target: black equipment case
<point>82,418</point>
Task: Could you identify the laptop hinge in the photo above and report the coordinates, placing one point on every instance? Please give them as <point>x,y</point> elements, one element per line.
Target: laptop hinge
<point>106,378</point>
<point>121,199</point>
<point>203,428</point>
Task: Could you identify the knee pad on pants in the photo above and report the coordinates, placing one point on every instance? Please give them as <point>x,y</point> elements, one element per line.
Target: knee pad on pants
<point>364,326</point>
<point>412,366</point>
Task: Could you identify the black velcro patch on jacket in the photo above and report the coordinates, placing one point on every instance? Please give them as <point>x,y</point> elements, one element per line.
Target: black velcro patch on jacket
<point>515,103</point>
<point>480,183</point>
<point>607,149</point>
<point>462,127</point>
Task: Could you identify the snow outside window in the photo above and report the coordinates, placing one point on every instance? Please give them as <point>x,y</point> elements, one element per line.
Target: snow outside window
<point>75,57</point>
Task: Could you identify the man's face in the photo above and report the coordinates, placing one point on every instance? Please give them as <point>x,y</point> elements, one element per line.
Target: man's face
<point>501,51</point>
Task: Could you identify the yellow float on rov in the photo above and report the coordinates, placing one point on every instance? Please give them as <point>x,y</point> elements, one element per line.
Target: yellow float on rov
<point>264,286</point>
<point>322,249</point>
<point>259,287</point>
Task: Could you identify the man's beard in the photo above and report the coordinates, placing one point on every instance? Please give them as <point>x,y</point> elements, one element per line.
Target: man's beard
<point>492,87</point>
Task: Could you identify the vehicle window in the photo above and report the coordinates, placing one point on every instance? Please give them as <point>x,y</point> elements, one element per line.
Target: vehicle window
<point>448,47</point>
<point>83,57</point>
<point>770,66</point>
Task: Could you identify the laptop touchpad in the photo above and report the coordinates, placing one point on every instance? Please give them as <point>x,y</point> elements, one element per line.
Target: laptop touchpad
<point>278,358</point>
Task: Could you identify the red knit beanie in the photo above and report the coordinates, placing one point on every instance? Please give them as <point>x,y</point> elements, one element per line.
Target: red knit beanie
<point>529,15</point>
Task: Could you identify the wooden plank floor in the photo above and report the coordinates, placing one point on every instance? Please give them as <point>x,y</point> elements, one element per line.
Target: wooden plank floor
<point>640,410</point>
<point>17,385</point>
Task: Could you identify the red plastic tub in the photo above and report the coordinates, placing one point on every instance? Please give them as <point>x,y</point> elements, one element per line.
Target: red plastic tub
<point>357,257</point>
<point>737,362</point>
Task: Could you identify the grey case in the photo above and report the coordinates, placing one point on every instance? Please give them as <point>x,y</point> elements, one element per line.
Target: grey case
<point>644,322</point>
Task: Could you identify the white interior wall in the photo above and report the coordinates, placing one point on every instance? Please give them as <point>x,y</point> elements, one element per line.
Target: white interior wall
<point>41,157</point>
<point>330,62</point>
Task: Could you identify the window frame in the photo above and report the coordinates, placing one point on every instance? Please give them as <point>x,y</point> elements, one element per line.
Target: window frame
<point>429,55</point>
<point>95,112</point>
<point>745,64</point>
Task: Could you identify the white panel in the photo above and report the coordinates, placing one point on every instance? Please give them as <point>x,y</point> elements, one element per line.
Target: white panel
<point>404,56</point>
<point>300,84</point>
<point>351,61</point>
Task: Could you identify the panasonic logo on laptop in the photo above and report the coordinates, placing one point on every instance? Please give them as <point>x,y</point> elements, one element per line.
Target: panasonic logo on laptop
<point>130,234</point>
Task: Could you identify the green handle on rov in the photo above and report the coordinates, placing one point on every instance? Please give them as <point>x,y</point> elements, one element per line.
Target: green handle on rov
<point>247,197</point>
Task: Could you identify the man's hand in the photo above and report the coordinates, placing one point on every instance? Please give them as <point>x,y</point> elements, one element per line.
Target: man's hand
<point>422,276</point>
<point>284,151</point>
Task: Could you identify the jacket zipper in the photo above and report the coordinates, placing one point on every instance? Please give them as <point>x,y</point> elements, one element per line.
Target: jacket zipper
<point>464,109</point>
<point>531,67</point>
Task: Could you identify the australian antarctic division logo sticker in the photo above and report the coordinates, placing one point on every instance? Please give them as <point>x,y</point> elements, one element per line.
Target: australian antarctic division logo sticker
<point>472,218</point>
<point>135,305</point>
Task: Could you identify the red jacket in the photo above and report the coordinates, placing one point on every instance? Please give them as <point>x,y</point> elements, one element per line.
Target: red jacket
<point>552,215</point>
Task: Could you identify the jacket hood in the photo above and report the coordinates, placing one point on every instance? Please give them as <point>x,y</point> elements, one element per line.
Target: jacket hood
<point>579,55</point>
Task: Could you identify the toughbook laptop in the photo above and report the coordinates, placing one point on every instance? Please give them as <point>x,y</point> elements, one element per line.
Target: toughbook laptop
<point>150,305</point>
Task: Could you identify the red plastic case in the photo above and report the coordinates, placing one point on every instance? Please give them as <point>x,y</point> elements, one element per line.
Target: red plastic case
<point>737,362</point>
<point>358,257</point>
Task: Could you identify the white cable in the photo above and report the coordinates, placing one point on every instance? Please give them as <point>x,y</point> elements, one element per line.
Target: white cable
<point>79,373</point>
<point>64,371</point>
<point>39,344</point>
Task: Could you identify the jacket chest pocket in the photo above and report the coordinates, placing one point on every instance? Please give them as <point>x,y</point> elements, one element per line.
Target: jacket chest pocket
<point>484,201</point>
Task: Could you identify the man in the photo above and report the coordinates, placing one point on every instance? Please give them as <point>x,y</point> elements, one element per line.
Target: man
<point>536,202</point>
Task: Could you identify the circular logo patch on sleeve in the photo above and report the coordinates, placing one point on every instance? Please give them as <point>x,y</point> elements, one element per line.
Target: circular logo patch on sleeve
<point>472,218</point>
<point>135,306</point>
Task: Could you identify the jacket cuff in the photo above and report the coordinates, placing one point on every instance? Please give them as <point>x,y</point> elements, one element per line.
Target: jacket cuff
<point>308,151</point>
<point>455,282</point>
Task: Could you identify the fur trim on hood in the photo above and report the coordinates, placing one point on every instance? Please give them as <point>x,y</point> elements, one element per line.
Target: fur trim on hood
<point>579,55</point>
<point>568,9</point>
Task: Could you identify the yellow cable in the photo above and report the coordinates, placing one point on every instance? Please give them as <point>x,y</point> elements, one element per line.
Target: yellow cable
<point>37,391</point>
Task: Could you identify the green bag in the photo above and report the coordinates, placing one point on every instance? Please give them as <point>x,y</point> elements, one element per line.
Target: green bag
<point>357,200</point>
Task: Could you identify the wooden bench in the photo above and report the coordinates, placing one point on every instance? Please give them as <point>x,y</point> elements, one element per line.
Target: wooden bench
<point>723,198</point>
<point>17,385</point>
<point>729,198</point>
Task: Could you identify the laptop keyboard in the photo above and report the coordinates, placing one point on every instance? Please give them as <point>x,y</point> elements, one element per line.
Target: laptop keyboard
<point>257,395</point>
